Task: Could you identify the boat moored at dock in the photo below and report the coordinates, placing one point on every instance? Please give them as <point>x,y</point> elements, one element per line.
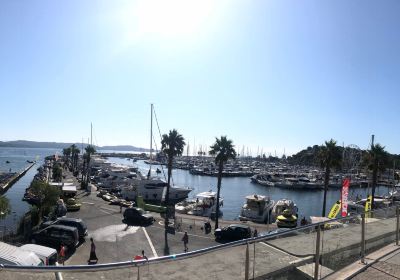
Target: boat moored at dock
<point>258,208</point>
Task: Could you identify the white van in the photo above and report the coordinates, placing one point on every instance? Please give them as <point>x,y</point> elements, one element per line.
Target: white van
<point>46,254</point>
<point>13,255</point>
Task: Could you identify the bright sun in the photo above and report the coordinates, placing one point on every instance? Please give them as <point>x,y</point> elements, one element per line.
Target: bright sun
<point>177,17</point>
<point>168,19</point>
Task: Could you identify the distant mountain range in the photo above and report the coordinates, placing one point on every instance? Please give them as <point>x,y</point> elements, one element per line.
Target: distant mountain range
<point>57,145</point>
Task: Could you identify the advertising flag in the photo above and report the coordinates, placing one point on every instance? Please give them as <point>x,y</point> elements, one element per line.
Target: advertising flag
<point>334,210</point>
<point>345,195</point>
<point>368,203</point>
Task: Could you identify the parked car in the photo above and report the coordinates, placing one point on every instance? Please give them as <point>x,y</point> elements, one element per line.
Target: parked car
<point>233,232</point>
<point>72,205</point>
<point>136,215</point>
<point>47,255</point>
<point>55,235</point>
<point>71,222</point>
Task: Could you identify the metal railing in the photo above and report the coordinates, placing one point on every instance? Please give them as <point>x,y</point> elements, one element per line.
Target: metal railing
<point>326,244</point>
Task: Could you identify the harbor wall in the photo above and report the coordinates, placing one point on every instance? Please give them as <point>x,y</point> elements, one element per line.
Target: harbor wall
<point>15,178</point>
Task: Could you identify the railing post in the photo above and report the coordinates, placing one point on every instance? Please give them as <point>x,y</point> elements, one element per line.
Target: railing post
<point>254,258</point>
<point>247,264</point>
<point>317,253</point>
<point>397,225</point>
<point>363,238</point>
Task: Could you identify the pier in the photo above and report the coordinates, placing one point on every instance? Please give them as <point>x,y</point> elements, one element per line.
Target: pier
<point>10,180</point>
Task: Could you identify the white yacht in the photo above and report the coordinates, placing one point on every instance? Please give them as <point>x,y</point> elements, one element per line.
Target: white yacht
<point>257,209</point>
<point>205,204</point>
<point>154,190</point>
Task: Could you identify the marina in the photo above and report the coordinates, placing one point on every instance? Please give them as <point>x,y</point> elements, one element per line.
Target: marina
<point>235,190</point>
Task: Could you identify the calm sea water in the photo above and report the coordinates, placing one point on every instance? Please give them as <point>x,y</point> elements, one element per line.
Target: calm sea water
<point>234,190</point>
<point>17,158</point>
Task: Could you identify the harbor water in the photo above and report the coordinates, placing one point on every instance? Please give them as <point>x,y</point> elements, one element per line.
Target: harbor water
<point>17,158</point>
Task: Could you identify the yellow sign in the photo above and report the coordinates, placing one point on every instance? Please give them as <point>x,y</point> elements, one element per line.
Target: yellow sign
<point>335,210</point>
<point>368,203</point>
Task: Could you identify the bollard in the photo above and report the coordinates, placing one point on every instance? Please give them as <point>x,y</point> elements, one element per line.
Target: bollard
<point>247,264</point>
<point>397,225</point>
<point>317,253</point>
<point>363,238</point>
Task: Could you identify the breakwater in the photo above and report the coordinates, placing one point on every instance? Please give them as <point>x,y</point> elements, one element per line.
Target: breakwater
<point>10,180</point>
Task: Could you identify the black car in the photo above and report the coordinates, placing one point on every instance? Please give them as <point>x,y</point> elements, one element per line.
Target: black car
<point>136,215</point>
<point>55,235</point>
<point>233,232</point>
<point>71,222</point>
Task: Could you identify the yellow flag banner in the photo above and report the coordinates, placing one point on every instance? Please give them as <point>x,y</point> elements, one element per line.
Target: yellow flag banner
<point>368,203</point>
<point>334,210</point>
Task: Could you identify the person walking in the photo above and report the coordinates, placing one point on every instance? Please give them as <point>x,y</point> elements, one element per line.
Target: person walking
<point>61,254</point>
<point>185,240</point>
<point>92,258</point>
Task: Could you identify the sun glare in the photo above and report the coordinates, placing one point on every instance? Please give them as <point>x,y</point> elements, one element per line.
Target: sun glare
<point>178,17</point>
<point>166,19</point>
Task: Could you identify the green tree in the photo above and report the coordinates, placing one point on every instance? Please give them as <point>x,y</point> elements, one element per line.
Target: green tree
<point>329,157</point>
<point>5,207</point>
<point>57,172</point>
<point>172,145</point>
<point>47,194</point>
<point>223,150</point>
<point>376,159</point>
<point>74,156</point>
<point>90,150</point>
<point>67,154</point>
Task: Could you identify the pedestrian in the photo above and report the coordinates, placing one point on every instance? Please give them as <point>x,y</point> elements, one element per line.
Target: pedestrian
<point>185,240</point>
<point>92,258</point>
<point>140,257</point>
<point>120,208</point>
<point>61,254</point>
<point>255,234</point>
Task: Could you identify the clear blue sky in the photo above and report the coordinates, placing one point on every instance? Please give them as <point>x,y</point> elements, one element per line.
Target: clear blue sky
<point>270,74</point>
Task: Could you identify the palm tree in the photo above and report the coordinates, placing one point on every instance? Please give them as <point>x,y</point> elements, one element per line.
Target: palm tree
<point>376,160</point>
<point>223,150</point>
<point>329,157</point>
<point>89,151</point>
<point>74,155</point>
<point>66,154</point>
<point>172,146</point>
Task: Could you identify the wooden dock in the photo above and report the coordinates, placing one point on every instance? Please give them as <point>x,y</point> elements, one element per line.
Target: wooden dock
<point>5,186</point>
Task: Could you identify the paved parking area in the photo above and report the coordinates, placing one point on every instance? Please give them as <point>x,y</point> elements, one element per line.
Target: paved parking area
<point>117,242</point>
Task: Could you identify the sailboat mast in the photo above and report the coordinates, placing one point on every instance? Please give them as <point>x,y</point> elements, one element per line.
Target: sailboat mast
<point>91,134</point>
<point>151,131</point>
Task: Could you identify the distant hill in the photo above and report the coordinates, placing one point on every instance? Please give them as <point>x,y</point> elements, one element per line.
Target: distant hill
<point>57,145</point>
<point>310,157</point>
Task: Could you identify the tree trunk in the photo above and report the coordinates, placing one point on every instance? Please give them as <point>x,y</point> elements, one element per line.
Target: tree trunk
<point>374,181</point>
<point>221,167</point>
<point>326,184</point>
<point>88,170</point>
<point>166,221</point>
